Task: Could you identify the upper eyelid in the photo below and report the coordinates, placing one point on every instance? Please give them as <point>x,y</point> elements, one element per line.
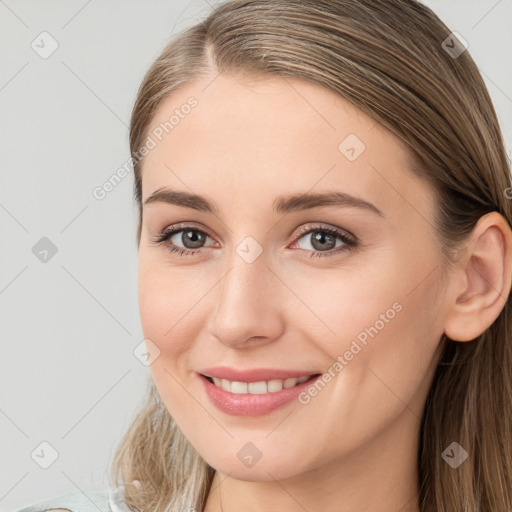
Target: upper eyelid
<point>322,225</point>
<point>184,226</point>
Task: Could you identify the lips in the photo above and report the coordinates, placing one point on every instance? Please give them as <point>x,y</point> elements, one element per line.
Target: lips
<point>253,392</point>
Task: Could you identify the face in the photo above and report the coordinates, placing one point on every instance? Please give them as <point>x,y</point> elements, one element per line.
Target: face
<point>345,292</point>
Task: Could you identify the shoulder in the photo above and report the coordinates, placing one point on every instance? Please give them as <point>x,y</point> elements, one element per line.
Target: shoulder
<point>89,501</point>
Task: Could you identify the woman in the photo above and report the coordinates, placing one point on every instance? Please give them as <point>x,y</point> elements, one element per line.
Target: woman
<point>325,261</point>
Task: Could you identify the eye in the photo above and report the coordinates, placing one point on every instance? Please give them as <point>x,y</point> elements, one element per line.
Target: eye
<point>189,235</point>
<point>320,238</point>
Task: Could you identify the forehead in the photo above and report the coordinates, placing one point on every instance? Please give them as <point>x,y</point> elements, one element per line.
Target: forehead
<point>269,136</point>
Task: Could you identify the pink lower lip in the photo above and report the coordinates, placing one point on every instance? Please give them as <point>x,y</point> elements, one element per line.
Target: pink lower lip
<point>249,404</point>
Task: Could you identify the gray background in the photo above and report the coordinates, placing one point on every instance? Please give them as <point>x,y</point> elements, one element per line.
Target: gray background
<point>69,325</point>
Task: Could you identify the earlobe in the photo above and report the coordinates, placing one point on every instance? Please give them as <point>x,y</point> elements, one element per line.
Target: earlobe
<point>482,279</point>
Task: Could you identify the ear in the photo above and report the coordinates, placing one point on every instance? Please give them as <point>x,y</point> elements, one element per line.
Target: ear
<point>481,281</point>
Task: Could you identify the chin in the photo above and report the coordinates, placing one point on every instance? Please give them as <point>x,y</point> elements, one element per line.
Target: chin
<point>273,467</point>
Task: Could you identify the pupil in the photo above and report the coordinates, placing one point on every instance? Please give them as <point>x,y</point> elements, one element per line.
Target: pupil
<point>322,237</point>
<point>195,239</point>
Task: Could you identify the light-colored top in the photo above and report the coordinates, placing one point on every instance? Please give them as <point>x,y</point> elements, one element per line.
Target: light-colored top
<point>110,500</point>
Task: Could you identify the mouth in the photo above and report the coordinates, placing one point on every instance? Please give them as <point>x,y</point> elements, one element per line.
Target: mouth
<point>255,398</point>
<point>260,387</point>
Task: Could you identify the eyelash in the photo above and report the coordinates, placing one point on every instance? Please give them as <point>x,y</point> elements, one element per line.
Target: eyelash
<point>349,241</point>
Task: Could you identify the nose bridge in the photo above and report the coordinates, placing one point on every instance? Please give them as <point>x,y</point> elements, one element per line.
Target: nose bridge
<point>246,304</point>
<point>246,281</point>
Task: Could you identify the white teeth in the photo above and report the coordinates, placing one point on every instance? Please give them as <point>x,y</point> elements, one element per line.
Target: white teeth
<point>258,388</point>
<point>289,383</point>
<point>238,387</point>
<point>255,388</point>
<point>275,385</point>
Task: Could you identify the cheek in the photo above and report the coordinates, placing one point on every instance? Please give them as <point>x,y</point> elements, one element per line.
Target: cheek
<point>380,322</point>
<point>166,306</point>
<point>167,298</point>
<point>384,346</point>
<point>340,306</point>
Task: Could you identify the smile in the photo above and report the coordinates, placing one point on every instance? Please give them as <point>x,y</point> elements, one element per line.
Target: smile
<point>259,394</point>
<point>257,388</point>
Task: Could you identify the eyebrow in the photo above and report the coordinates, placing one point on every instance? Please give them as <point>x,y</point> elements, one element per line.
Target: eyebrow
<point>282,204</point>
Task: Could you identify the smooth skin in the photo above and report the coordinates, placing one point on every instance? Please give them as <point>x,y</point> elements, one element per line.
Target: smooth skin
<point>354,445</point>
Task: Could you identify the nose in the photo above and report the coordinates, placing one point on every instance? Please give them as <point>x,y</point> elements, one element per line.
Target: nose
<point>249,304</point>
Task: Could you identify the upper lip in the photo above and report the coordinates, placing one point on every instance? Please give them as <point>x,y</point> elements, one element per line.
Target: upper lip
<point>253,374</point>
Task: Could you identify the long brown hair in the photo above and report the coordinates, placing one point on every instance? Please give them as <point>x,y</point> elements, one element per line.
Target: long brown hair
<point>390,59</point>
